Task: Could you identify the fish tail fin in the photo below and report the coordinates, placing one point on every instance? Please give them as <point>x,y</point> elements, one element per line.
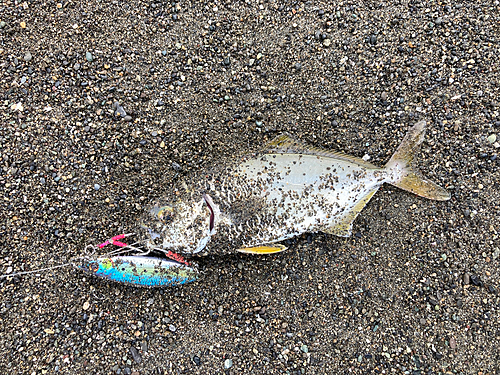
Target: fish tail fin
<point>405,175</point>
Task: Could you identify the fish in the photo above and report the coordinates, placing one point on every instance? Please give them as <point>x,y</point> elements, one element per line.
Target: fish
<point>286,189</point>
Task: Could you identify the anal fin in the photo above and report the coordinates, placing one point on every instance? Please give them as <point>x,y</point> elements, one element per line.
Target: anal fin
<point>262,250</point>
<point>343,227</point>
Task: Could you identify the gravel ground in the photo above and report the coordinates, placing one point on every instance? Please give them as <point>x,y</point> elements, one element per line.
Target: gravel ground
<point>104,105</point>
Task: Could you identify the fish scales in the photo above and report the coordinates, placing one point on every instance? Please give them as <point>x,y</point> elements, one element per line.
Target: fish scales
<point>301,193</point>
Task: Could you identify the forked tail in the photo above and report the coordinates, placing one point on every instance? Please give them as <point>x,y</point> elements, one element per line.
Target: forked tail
<point>405,176</point>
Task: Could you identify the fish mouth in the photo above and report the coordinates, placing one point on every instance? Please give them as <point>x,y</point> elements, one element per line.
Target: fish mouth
<point>210,205</point>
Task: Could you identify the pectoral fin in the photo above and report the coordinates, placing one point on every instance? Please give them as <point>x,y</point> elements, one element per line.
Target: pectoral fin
<point>268,249</point>
<point>343,228</point>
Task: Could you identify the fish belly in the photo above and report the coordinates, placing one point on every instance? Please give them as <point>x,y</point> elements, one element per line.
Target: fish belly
<point>304,193</point>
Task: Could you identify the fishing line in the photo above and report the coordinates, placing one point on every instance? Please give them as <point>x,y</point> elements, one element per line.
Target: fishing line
<point>93,247</point>
<point>35,271</point>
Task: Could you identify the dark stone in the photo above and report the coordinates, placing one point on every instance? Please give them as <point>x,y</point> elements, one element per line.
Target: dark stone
<point>135,354</point>
<point>476,280</point>
<point>176,167</point>
<point>119,110</point>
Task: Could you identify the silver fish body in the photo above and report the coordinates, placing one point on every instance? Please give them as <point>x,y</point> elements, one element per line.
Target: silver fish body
<point>286,190</point>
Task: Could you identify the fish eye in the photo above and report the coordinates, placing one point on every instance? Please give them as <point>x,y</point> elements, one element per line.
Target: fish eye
<point>165,213</point>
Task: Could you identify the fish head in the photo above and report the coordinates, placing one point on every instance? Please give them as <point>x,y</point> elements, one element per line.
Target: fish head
<point>181,227</point>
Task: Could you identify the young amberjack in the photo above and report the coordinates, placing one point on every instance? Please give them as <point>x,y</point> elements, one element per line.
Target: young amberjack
<point>287,189</point>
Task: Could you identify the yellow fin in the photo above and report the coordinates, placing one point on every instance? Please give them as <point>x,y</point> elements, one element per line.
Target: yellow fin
<point>284,144</point>
<point>343,228</point>
<point>415,183</point>
<point>410,179</point>
<point>269,249</point>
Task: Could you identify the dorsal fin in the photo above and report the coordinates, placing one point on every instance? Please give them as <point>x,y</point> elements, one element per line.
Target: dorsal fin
<point>285,144</point>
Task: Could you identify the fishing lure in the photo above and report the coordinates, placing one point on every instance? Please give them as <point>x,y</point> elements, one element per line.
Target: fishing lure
<point>139,269</point>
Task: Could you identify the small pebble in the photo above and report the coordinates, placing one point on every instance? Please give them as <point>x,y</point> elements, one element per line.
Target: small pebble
<point>228,363</point>
<point>27,56</point>
<point>135,354</point>
<point>453,343</point>
<point>119,110</point>
<point>496,254</point>
<point>476,280</point>
<point>89,57</point>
